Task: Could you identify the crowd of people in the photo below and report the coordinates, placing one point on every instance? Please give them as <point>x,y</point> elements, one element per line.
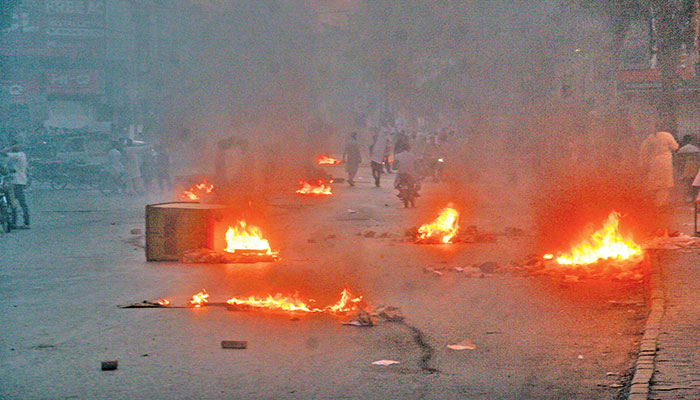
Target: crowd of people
<point>137,169</point>
<point>425,150</point>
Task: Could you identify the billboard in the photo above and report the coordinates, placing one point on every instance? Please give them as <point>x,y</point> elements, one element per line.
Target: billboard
<point>56,28</point>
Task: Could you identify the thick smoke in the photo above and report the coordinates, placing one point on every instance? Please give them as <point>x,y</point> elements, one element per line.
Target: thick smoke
<point>510,78</point>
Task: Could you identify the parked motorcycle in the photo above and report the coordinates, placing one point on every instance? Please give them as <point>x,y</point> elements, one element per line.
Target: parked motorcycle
<point>5,204</point>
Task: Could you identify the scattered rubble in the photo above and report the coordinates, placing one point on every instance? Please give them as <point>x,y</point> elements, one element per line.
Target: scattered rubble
<point>145,304</point>
<point>465,344</point>
<point>110,365</point>
<point>488,267</point>
<point>361,318</point>
<point>234,344</point>
<point>385,363</point>
<point>621,270</point>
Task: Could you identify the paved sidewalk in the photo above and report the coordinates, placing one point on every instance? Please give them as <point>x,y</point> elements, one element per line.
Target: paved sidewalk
<point>677,374</point>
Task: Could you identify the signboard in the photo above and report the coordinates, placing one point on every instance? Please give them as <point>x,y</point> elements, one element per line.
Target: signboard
<point>20,91</point>
<point>75,28</point>
<point>60,28</point>
<point>25,35</point>
<point>72,82</point>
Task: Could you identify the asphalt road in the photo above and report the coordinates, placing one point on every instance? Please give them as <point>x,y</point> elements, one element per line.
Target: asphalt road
<point>534,337</point>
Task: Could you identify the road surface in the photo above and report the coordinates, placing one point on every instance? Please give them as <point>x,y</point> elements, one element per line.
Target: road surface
<point>534,337</point>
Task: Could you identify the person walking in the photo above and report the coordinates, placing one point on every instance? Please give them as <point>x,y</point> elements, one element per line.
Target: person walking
<point>352,157</point>
<point>656,160</point>
<point>688,165</point>
<point>114,166</point>
<point>132,167</point>
<point>376,153</point>
<point>18,178</point>
<point>162,166</point>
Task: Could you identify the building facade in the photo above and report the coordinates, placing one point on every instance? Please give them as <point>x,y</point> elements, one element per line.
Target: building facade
<point>81,64</point>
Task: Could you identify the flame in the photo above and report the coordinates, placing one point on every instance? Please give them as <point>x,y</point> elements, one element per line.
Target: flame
<point>606,243</point>
<point>245,237</point>
<point>443,229</point>
<point>199,299</point>
<point>281,303</point>
<point>164,302</point>
<point>197,190</point>
<point>319,188</point>
<point>327,160</point>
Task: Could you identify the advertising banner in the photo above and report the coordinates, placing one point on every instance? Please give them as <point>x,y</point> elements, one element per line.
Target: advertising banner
<point>56,28</point>
<point>75,82</point>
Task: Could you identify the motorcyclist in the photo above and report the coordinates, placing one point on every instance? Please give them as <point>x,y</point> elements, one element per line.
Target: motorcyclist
<point>405,163</point>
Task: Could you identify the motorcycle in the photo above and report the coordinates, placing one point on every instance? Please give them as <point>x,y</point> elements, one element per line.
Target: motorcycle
<point>408,189</point>
<point>5,204</point>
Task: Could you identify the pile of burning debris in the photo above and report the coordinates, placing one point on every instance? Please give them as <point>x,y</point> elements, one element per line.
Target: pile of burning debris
<point>244,244</point>
<point>606,254</point>
<point>445,229</point>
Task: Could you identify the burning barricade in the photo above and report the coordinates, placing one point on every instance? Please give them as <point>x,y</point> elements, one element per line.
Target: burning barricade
<point>244,244</point>
<point>318,188</point>
<point>606,253</point>
<point>197,192</point>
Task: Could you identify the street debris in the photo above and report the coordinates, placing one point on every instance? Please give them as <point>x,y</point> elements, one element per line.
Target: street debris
<point>488,267</point>
<point>136,231</point>
<point>234,344</point>
<point>621,270</point>
<point>208,256</point>
<point>436,271</point>
<point>465,344</point>
<point>347,303</point>
<point>361,318</point>
<point>110,365</point>
<point>148,304</point>
<point>389,313</point>
<point>671,241</point>
<point>385,363</point>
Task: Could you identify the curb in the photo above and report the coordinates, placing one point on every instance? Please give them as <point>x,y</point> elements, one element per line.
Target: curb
<point>644,368</point>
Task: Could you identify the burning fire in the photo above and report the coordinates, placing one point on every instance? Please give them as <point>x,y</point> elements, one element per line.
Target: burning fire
<point>164,302</point>
<point>243,237</point>
<point>443,229</point>
<point>197,191</point>
<point>606,243</point>
<point>327,160</point>
<point>199,299</point>
<point>319,188</point>
<point>281,303</point>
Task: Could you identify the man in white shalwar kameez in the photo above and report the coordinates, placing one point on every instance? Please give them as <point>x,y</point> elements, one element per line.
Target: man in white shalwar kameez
<point>657,160</point>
